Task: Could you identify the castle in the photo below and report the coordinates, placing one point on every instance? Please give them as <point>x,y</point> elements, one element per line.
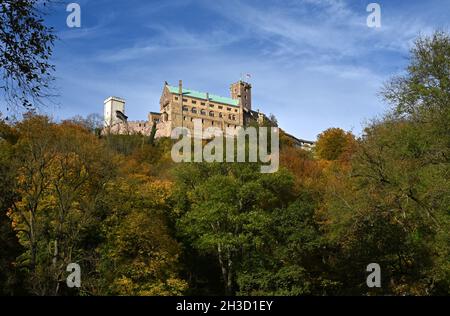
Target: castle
<point>180,106</point>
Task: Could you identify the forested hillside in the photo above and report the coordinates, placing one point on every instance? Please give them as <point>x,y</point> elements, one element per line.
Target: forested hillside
<point>139,224</point>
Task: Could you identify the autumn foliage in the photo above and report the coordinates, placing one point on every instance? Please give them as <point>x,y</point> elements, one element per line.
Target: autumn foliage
<point>139,224</point>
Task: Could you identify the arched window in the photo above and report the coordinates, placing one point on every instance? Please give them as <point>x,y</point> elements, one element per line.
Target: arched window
<point>194,110</point>
<point>211,113</point>
<point>203,112</point>
<point>185,108</point>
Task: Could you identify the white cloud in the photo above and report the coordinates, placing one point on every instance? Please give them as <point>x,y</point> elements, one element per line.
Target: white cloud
<point>314,63</point>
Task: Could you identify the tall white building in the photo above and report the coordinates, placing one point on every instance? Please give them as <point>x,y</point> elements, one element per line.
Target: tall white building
<point>112,105</point>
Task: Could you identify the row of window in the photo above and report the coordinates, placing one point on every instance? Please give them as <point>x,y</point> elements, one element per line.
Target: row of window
<point>210,113</point>
<point>220,107</point>
<point>186,118</point>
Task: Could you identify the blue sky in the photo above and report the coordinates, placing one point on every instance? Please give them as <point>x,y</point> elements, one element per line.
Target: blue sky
<point>314,63</point>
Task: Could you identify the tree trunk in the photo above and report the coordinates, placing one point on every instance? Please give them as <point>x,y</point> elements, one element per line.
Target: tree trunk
<point>226,268</point>
<point>32,242</point>
<point>230,274</point>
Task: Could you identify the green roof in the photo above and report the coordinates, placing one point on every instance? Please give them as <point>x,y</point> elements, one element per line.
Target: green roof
<point>202,96</point>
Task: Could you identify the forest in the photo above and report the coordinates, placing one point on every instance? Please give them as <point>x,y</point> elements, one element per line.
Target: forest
<point>139,224</point>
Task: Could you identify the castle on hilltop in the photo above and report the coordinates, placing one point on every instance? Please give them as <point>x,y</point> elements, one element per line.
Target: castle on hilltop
<point>180,106</point>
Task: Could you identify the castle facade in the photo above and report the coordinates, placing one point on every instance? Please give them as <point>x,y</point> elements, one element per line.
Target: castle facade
<point>180,106</point>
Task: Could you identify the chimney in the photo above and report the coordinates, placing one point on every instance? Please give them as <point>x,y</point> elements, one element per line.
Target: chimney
<point>207,96</point>
<point>180,87</point>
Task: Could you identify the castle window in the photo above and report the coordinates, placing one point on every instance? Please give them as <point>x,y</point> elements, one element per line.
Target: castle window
<point>220,107</point>
<point>236,110</point>
<point>212,123</point>
<point>185,100</point>
<point>175,98</point>
<point>220,115</point>
<point>194,110</point>
<point>211,113</point>
<point>229,109</point>
<point>203,112</point>
<point>185,108</point>
<point>203,103</point>
<point>194,102</point>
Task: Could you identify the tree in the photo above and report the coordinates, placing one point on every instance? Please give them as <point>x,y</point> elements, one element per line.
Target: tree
<point>93,122</point>
<point>25,49</point>
<point>273,120</point>
<point>151,141</point>
<point>227,210</point>
<point>333,143</point>
<point>391,206</point>
<point>62,170</point>
<point>308,171</point>
<point>294,260</point>
<point>139,255</point>
<point>34,151</point>
<point>10,279</point>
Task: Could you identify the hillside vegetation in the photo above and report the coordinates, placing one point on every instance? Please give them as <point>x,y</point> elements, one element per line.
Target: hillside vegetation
<point>139,224</point>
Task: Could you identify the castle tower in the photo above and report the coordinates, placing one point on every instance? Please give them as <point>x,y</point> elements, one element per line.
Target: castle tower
<point>111,106</point>
<point>242,91</point>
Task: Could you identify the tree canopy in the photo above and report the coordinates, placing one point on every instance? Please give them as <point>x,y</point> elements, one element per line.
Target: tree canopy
<point>26,45</point>
<point>139,224</point>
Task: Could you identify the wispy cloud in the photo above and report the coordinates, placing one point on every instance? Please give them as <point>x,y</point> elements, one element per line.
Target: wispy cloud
<point>167,39</point>
<point>315,63</point>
